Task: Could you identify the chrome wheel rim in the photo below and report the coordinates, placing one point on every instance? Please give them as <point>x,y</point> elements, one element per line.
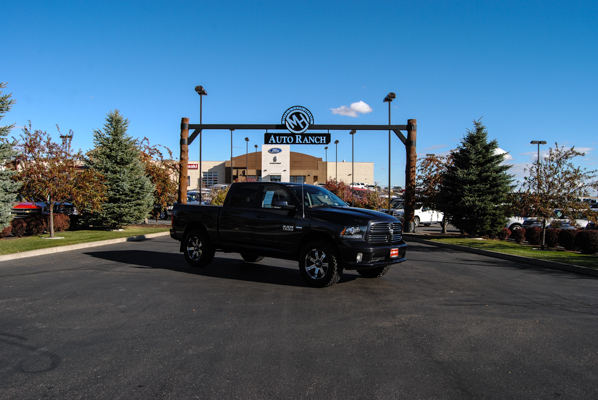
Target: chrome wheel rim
<point>194,248</point>
<point>316,264</point>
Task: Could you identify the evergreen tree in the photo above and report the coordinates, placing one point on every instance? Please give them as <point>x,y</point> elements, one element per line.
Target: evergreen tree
<point>8,188</point>
<point>117,158</point>
<point>473,193</point>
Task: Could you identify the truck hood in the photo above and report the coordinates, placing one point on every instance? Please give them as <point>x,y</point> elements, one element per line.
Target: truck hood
<point>348,216</point>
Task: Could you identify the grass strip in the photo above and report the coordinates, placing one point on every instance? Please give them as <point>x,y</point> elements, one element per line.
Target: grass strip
<point>566,257</point>
<point>17,245</point>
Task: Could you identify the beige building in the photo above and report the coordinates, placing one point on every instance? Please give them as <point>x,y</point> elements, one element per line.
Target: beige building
<point>276,163</point>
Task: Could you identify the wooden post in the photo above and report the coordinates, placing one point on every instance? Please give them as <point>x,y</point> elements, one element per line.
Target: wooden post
<point>184,161</point>
<point>411,164</point>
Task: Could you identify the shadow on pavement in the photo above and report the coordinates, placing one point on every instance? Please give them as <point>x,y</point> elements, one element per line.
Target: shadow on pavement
<point>223,267</point>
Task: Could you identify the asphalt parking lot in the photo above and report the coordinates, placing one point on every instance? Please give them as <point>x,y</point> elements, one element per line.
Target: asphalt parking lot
<point>133,321</point>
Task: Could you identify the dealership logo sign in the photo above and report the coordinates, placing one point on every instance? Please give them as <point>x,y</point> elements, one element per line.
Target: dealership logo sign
<point>274,150</point>
<point>297,119</point>
<point>304,138</point>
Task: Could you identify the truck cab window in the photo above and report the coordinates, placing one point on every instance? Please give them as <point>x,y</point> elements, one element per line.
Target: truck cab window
<point>272,193</point>
<point>244,197</point>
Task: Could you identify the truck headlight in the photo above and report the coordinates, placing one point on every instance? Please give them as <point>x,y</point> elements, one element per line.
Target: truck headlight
<point>354,232</point>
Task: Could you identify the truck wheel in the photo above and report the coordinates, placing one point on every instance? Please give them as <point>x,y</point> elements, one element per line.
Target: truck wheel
<point>163,214</point>
<point>514,227</point>
<point>319,264</point>
<point>251,257</point>
<point>374,272</point>
<point>416,221</point>
<point>198,249</point>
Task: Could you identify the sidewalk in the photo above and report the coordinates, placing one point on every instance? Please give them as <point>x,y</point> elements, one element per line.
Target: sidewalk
<point>60,249</point>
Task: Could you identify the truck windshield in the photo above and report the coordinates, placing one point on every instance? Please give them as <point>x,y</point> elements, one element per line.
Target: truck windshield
<point>314,196</point>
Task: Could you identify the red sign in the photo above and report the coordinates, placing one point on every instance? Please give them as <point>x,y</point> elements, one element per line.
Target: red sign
<point>193,166</point>
<point>394,253</point>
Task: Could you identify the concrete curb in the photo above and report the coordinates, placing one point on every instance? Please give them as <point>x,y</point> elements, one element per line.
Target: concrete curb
<point>527,260</point>
<point>60,249</point>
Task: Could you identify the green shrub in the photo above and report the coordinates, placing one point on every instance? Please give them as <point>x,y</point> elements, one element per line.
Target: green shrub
<point>587,241</point>
<point>567,238</point>
<point>533,235</point>
<point>518,235</point>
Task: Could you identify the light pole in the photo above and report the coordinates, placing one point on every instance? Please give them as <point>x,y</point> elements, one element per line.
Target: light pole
<point>231,156</point>
<point>256,162</point>
<point>388,99</point>
<point>246,157</point>
<point>201,92</point>
<point>352,133</point>
<point>326,150</point>
<point>539,142</point>
<point>336,163</point>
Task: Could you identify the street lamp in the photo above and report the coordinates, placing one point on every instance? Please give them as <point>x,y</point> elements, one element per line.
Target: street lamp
<point>256,162</point>
<point>539,142</point>
<point>352,133</point>
<point>336,163</point>
<point>326,150</point>
<point>201,92</point>
<point>231,156</point>
<point>246,157</point>
<point>388,99</point>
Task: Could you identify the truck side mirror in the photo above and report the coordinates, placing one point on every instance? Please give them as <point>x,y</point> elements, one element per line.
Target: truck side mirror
<point>282,204</point>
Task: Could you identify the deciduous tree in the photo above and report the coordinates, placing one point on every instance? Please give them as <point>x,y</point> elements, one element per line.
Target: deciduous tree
<point>162,171</point>
<point>48,172</point>
<point>557,183</point>
<point>430,173</point>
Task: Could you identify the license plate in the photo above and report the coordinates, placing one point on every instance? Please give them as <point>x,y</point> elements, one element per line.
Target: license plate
<point>394,253</point>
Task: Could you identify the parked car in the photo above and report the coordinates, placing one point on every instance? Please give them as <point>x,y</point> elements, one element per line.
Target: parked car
<point>423,215</point>
<point>558,220</point>
<point>27,208</point>
<point>514,223</point>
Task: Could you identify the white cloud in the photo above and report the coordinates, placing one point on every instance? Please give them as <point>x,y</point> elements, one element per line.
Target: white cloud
<point>359,107</point>
<point>507,155</point>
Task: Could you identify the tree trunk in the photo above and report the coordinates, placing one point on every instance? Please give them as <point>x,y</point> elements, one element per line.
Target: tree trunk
<point>51,220</point>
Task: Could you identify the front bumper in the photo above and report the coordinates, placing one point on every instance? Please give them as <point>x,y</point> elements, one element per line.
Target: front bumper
<point>372,256</point>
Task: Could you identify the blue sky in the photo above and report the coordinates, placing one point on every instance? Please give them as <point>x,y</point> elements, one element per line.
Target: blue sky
<point>528,68</point>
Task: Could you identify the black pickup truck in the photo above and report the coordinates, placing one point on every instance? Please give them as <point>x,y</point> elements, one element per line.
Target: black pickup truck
<point>291,221</point>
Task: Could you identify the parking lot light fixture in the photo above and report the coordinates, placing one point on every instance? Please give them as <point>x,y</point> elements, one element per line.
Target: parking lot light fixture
<point>352,133</point>
<point>201,92</point>
<point>336,163</point>
<point>388,99</point>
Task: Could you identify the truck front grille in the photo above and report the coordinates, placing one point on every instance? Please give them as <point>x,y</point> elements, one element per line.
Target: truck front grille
<point>385,233</point>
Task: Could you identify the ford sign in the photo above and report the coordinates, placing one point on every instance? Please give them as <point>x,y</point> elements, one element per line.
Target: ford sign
<point>274,150</point>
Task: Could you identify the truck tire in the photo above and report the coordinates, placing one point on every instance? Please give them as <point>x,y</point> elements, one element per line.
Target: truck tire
<point>251,257</point>
<point>374,272</point>
<point>416,221</point>
<point>319,264</point>
<point>198,249</point>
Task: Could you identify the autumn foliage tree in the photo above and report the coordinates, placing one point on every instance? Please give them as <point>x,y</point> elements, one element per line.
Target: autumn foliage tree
<point>557,183</point>
<point>48,172</point>
<point>430,174</point>
<point>162,170</point>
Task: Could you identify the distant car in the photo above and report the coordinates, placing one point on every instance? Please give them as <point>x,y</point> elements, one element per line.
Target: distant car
<point>423,215</point>
<point>514,223</point>
<point>558,220</point>
<point>27,208</point>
